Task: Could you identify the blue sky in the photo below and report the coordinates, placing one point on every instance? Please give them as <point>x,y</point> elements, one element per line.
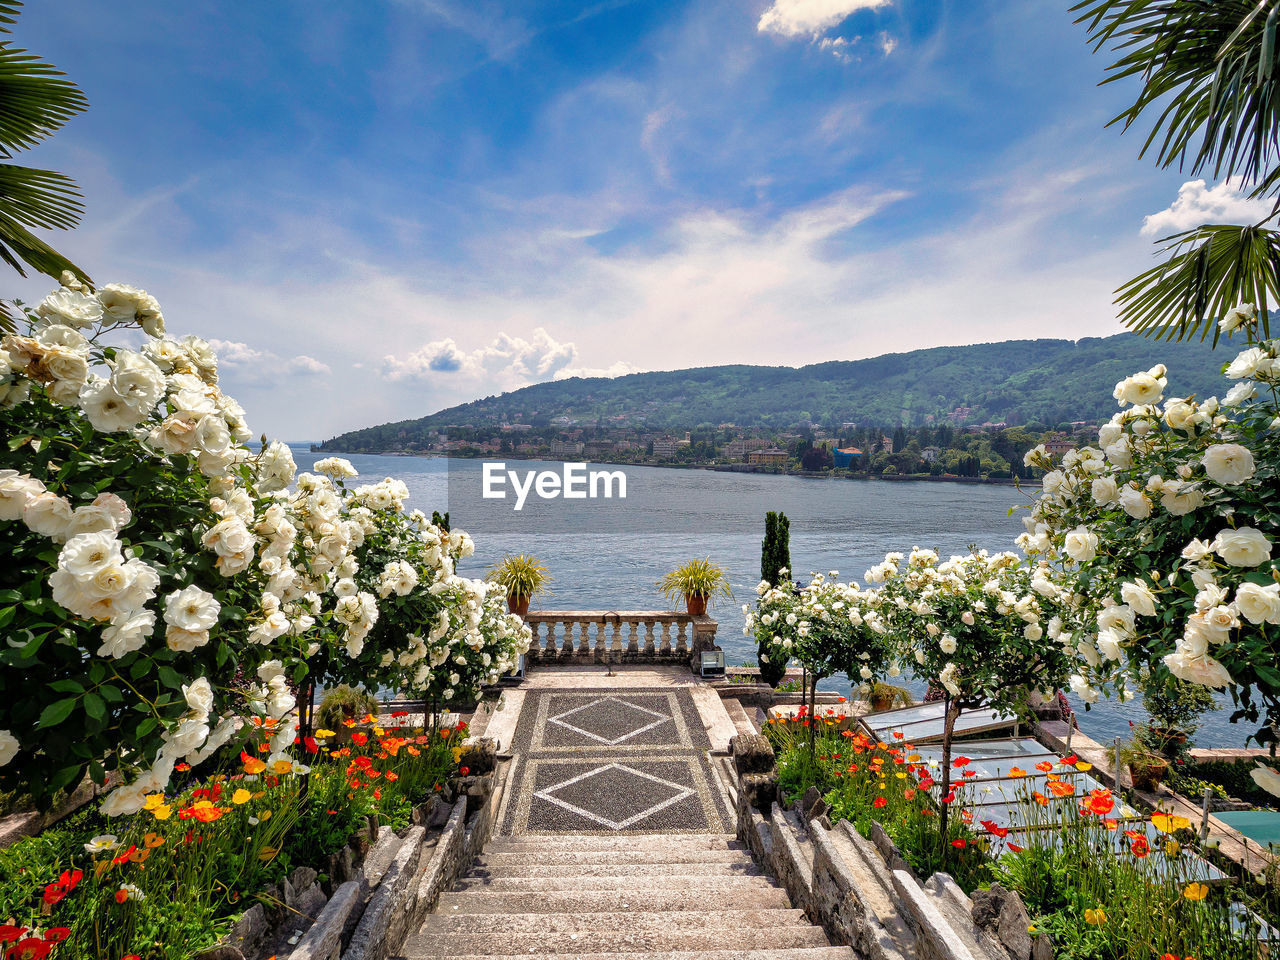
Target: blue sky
<point>384,208</point>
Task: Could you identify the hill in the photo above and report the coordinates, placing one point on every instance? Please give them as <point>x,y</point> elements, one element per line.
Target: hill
<point>1017,381</point>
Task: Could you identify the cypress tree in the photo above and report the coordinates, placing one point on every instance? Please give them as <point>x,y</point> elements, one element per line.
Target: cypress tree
<point>775,555</point>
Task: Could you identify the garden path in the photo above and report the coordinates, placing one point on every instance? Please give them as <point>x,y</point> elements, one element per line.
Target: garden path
<point>615,838</point>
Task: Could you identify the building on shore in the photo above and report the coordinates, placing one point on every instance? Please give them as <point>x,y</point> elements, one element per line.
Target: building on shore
<point>771,457</point>
<point>845,457</point>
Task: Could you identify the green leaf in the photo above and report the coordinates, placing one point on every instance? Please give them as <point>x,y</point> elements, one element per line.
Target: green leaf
<point>169,677</point>
<point>95,706</point>
<point>67,686</point>
<point>56,712</point>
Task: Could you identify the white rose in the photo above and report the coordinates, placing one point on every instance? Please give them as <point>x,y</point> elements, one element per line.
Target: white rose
<point>9,747</point>
<point>1135,503</point>
<point>1196,550</point>
<point>1105,490</point>
<point>1248,364</point>
<point>1228,463</point>
<point>138,381</point>
<point>1081,544</point>
<point>272,668</point>
<point>1239,394</point>
<point>1205,670</point>
<point>127,634</point>
<point>1242,547</point>
<point>1109,433</point>
<point>15,490</point>
<point>199,696</point>
<point>1109,644</point>
<point>1140,598</point>
<point>48,515</point>
<point>1267,778</point>
<point>1259,604</point>
<point>1180,414</point>
<point>106,409</point>
<point>1238,317</point>
<point>191,609</point>
<point>947,643</point>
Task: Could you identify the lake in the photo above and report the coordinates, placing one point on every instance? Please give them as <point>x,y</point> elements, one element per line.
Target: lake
<point>608,553</point>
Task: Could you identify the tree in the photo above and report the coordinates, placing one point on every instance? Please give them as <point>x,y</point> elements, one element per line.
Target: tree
<point>1209,69</point>
<point>35,101</point>
<point>775,567</point>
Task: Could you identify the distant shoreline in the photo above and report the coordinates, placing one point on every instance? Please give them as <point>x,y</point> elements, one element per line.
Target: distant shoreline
<point>713,468</point>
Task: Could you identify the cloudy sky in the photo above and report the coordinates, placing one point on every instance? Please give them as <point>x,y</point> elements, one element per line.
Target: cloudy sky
<point>384,208</point>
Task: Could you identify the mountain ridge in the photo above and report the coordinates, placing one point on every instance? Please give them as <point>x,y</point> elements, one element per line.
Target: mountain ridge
<point>1047,381</point>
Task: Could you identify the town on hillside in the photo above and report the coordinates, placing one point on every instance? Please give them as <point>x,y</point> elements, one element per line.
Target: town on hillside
<point>992,451</point>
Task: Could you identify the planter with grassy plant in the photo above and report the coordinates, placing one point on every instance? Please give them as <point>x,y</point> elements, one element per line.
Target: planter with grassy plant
<point>1147,768</point>
<point>342,706</point>
<point>523,578</point>
<point>697,581</point>
<point>1175,708</point>
<point>885,696</point>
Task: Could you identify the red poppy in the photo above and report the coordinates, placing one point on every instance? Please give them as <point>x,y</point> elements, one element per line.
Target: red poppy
<point>959,762</point>
<point>995,829</point>
<point>377,794</point>
<point>950,797</point>
<point>1099,802</point>
<point>1140,847</point>
<point>1070,761</point>
<point>400,713</point>
<point>1044,766</point>
<point>182,767</point>
<point>57,934</point>
<point>1014,847</point>
<point>122,895</point>
<point>124,857</point>
<point>926,783</point>
<point>65,883</point>
<point>311,745</point>
<point>29,949</point>
<point>908,793</point>
<point>879,802</point>
<point>959,844</point>
<point>464,770</point>
<point>359,739</point>
<point>9,932</point>
<point>969,773</point>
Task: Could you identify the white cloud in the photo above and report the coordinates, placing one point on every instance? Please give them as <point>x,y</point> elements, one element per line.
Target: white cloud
<point>260,365</point>
<point>1197,205</point>
<point>619,369</point>
<point>888,43</point>
<point>798,18</point>
<point>508,361</point>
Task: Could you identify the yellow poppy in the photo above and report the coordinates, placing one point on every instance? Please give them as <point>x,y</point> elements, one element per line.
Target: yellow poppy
<point>162,812</point>
<point>1095,917</point>
<point>154,800</point>
<point>241,796</point>
<point>325,733</point>
<point>264,815</point>
<point>266,853</point>
<point>282,766</point>
<point>1172,848</point>
<point>1196,891</point>
<point>1169,822</point>
<point>1084,767</point>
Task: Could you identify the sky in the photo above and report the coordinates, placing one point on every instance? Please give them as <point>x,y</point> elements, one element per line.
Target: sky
<point>381,209</point>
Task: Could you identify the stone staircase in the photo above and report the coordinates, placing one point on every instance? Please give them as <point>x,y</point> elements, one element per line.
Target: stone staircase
<point>623,897</point>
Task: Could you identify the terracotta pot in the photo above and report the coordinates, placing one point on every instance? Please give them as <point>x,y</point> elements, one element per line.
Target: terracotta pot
<point>697,605</point>
<point>881,703</point>
<point>1148,773</point>
<point>518,605</point>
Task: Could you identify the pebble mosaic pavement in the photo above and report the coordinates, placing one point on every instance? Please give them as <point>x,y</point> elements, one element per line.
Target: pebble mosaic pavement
<point>624,761</point>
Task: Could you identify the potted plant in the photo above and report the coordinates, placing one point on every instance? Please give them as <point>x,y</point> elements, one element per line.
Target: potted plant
<point>523,577</point>
<point>1147,767</point>
<point>1174,707</point>
<point>697,581</point>
<point>885,696</point>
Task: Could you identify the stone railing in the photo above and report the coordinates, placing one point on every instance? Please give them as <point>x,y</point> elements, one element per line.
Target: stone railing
<point>618,637</point>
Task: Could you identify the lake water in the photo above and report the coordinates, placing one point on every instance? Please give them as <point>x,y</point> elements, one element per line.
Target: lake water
<point>608,554</point>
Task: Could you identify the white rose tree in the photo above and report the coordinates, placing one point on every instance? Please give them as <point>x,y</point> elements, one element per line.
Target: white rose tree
<point>163,585</point>
<point>1165,533</point>
<point>825,625</point>
<point>974,627</point>
<point>123,645</point>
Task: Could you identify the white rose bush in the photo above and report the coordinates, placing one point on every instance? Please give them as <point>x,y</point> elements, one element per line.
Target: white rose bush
<point>166,594</point>
<point>1162,536</point>
<point>826,625</point>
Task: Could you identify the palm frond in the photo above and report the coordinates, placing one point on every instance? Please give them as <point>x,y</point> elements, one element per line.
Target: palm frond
<point>1209,271</point>
<point>1210,67</point>
<point>18,245</point>
<point>39,198</point>
<point>35,99</point>
<point>9,10</point>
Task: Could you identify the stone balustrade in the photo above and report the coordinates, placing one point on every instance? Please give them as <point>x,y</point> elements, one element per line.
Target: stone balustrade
<point>618,637</point>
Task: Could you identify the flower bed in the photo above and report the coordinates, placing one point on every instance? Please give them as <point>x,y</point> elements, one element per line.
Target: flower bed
<point>173,878</point>
<point>1090,878</point>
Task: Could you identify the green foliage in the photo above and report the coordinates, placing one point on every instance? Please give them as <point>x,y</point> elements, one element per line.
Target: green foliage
<point>1208,73</point>
<point>35,101</point>
<point>520,575</point>
<point>1175,704</point>
<point>696,578</point>
<point>1050,381</point>
<point>344,702</point>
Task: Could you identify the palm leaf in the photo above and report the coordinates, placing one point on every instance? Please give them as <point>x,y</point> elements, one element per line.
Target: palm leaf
<point>35,99</point>
<point>1210,68</point>
<point>39,198</point>
<point>1209,271</point>
<point>18,245</point>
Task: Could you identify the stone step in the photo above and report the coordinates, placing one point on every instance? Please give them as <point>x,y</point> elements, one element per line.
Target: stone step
<point>545,843</point>
<point>691,886</point>
<point>610,867</point>
<point>495,858</point>
<point>611,901</point>
<point>624,936</point>
<point>800,953</point>
<point>741,721</point>
<point>638,922</point>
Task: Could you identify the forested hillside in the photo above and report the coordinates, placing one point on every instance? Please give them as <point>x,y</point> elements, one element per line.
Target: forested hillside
<point>1018,381</point>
